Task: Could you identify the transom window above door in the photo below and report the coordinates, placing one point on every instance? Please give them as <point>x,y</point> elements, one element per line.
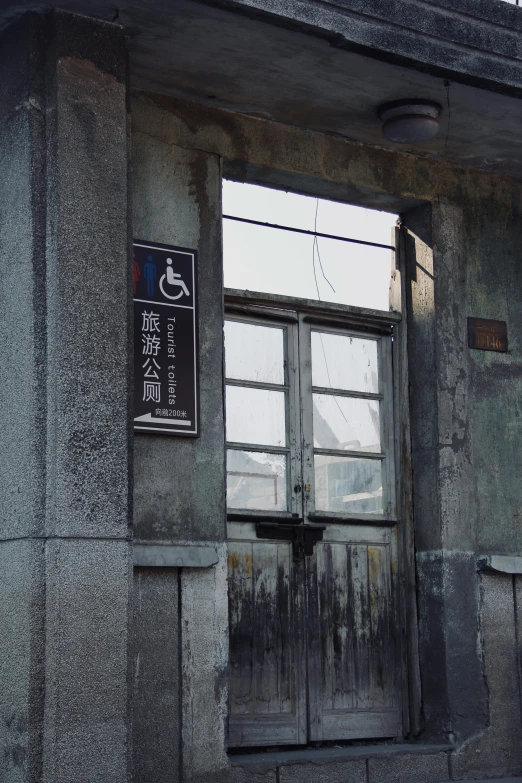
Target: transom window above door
<point>288,244</point>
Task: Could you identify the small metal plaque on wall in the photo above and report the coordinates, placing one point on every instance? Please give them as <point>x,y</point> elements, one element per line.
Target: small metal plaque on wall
<point>166,399</point>
<point>487,335</point>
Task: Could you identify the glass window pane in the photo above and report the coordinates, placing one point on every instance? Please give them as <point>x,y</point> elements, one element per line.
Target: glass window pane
<point>256,480</point>
<point>269,205</point>
<point>346,423</point>
<point>348,484</point>
<point>344,362</point>
<point>254,353</point>
<point>280,262</point>
<point>255,416</point>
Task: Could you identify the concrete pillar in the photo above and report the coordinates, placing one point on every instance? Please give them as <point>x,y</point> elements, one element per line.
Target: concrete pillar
<point>497,751</point>
<point>179,485</point>
<point>22,405</point>
<point>64,401</point>
<point>454,692</point>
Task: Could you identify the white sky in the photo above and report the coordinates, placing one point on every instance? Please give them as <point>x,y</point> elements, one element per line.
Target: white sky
<point>281,262</point>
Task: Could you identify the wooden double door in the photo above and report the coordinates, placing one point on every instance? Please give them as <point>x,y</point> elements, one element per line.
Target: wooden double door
<point>314,638</point>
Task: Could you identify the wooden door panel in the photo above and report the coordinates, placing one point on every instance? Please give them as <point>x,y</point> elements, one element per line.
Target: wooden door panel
<point>352,652</point>
<point>272,646</point>
<point>241,611</point>
<point>382,644</point>
<point>266,688</point>
<point>359,725</point>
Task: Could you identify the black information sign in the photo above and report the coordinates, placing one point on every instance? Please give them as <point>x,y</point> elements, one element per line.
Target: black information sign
<point>165,339</point>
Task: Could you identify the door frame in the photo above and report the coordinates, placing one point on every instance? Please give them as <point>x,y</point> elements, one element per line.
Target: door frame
<point>341,317</point>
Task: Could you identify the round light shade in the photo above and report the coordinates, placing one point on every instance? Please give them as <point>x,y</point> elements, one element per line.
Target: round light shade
<point>410,121</point>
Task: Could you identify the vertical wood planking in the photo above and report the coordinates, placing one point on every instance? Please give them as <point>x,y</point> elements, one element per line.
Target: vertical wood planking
<point>381,650</point>
<point>285,641</point>
<point>316,623</point>
<point>241,615</point>
<point>266,591</point>
<point>300,622</point>
<point>324,583</point>
<point>391,634</point>
<point>266,629</point>
<point>342,628</point>
<point>355,647</point>
<point>361,621</point>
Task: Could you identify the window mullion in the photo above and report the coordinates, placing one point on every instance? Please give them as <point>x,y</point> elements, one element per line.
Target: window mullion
<point>294,421</point>
<point>307,432</point>
<point>386,389</point>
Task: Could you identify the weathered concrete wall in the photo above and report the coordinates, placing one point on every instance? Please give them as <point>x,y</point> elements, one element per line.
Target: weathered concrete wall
<point>22,585</point>
<point>65,409</point>
<point>477,218</point>
<point>493,239</point>
<point>155,675</point>
<point>277,154</point>
<point>204,695</point>
<point>461,261</point>
<point>88,301</point>
<point>497,750</point>
<point>465,417</point>
<point>455,701</point>
<point>88,360</point>
<point>179,484</point>
<point>65,456</point>
<point>22,406</point>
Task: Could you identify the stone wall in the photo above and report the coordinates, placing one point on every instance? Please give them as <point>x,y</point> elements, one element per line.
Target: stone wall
<point>67,668</point>
<point>179,491</point>
<point>460,259</point>
<point>64,402</point>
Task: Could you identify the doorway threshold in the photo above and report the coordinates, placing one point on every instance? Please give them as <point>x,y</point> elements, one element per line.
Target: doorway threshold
<point>263,761</point>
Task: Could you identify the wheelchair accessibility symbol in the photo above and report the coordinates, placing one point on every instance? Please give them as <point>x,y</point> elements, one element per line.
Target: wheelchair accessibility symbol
<point>174,280</point>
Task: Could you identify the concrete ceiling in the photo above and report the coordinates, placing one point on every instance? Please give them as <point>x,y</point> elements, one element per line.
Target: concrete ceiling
<point>242,62</point>
<point>247,65</point>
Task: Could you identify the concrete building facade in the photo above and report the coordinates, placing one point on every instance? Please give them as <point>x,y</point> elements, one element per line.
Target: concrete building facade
<point>121,123</point>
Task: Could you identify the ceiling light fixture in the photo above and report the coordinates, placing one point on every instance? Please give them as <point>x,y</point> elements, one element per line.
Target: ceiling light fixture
<point>410,121</point>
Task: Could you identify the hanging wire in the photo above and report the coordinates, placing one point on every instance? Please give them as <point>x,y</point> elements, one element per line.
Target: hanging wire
<point>313,252</point>
<point>315,273</point>
<point>315,247</point>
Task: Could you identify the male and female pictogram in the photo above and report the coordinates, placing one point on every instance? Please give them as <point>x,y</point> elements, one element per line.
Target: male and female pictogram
<point>169,289</point>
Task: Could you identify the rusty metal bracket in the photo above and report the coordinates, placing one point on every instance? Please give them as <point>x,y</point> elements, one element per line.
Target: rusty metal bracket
<point>303,537</point>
